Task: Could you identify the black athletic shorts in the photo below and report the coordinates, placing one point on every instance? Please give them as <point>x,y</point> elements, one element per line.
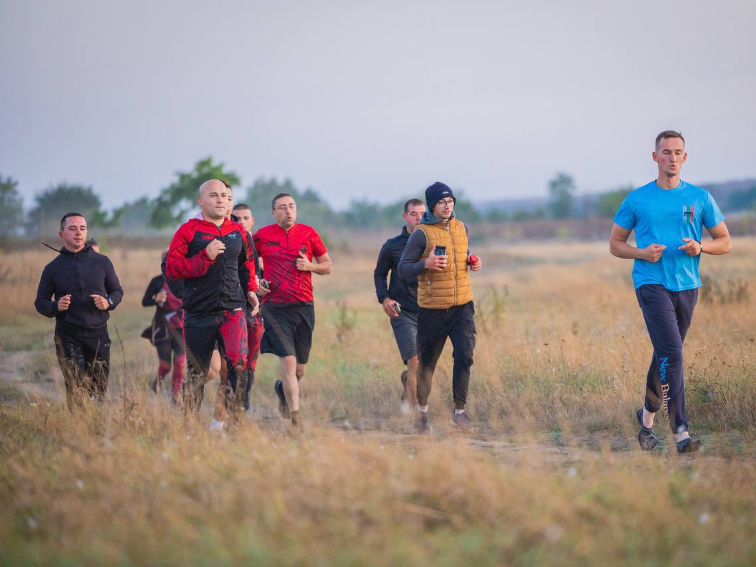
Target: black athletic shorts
<point>288,330</point>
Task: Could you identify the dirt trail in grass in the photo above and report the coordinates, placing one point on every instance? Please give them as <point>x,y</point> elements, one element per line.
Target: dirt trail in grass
<point>21,372</point>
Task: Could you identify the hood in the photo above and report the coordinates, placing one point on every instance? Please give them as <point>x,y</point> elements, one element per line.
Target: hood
<point>67,252</point>
<point>430,218</point>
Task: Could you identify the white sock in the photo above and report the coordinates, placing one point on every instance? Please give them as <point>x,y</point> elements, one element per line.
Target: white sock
<point>216,425</point>
<point>648,418</point>
<point>423,409</point>
<point>680,436</point>
<point>456,411</point>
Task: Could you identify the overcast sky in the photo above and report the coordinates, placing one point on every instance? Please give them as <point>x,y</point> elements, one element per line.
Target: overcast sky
<point>373,99</point>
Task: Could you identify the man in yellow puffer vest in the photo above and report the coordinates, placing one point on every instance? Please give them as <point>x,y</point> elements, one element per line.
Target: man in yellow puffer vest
<point>437,254</point>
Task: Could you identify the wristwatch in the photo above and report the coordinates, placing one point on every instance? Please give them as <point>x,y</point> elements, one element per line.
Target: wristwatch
<point>700,247</point>
<point>111,303</point>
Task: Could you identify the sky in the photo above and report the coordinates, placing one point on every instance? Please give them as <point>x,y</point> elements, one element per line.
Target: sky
<point>373,100</point>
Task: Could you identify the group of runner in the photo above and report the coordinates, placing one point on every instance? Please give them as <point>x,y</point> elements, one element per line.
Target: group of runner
<point>225,295</point>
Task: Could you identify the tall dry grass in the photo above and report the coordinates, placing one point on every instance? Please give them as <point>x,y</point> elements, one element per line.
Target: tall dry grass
<point>553,474</point>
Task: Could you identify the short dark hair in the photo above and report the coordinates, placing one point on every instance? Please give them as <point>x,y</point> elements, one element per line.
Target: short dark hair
<point>68,215</point>
<point>277,197</point>
<point>226,183</point>
<point>669,134</point>
<point>242,206</point>
<point>412,203</point>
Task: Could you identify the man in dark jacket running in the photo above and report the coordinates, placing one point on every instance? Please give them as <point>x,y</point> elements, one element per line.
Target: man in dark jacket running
<point>78,288</point>
<point>399,299</point>
<point>166,333</point>
<point>211,255</point>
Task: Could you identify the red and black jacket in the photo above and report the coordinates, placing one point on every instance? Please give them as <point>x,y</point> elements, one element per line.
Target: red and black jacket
<point>211,285</point>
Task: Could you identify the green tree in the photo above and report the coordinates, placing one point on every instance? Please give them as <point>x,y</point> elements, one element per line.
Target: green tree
<point>133,216</point>
<point>311,209</point>
<point>53,203</point>
<point>608,203</point>
<point>176,200</point>
<point>743,200</point>
<point>562,193</point>
<point>11,207</point>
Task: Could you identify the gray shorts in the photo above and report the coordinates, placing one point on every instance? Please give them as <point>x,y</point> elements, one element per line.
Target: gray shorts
<point>405,332</point>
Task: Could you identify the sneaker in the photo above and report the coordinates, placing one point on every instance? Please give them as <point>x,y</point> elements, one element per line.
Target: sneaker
<point>422,423</point>
<point>462,422</point>
<point>156,385</point>
<point>404,387</point>
<point>689,445</point>
<point>646,436</point>
<point>283,407</point>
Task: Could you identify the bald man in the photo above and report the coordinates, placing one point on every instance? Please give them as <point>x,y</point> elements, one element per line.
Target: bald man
<point>211,254</point>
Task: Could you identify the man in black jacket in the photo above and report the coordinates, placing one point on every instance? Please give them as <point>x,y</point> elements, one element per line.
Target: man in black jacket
<point>78,288</point>
<point>399,300</point>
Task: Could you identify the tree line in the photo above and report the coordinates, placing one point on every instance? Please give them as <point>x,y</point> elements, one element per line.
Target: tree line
<point>174,203</point>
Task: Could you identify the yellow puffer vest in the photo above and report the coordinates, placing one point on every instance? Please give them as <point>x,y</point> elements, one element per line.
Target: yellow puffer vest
<point>441,290</point>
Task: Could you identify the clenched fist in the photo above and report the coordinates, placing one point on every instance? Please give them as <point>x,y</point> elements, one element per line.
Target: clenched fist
<point>64,303</point>
<point>214,248</point>
<point>100,302</point>
<point>653,252</point>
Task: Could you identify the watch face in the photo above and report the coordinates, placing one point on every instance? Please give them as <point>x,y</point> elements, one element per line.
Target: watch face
<point>110,301</point>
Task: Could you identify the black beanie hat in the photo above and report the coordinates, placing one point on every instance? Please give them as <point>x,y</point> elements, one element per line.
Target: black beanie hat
<point>436,192</point>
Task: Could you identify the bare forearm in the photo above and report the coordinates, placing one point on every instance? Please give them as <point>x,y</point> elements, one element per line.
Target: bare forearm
<point>624,250</point>
<point>720,245</point>
<point>322,268</point>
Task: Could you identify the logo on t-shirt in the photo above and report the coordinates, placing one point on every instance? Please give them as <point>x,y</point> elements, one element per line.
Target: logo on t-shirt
<point>688,212</point>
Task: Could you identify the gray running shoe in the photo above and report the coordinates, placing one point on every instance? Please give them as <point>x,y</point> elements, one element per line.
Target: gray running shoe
<point>462,422</point>
<point>646,437</point>
<point>422,423</point>
<point>283,407</point>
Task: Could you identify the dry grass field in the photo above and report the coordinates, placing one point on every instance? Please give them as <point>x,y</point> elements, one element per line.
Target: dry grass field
<point>552,475</point>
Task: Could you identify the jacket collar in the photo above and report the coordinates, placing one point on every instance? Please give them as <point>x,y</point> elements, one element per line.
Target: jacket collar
<point>430,218</point>
<point>67,252</point>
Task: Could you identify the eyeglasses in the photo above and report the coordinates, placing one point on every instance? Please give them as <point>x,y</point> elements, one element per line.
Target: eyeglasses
<point>445,202</point>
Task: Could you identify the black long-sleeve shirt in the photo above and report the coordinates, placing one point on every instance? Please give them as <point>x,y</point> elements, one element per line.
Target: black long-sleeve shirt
<point>401,290</point>
<point>79,274</point>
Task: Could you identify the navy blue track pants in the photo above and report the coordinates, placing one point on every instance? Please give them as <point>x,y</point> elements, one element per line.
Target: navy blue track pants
<point>668,315</point>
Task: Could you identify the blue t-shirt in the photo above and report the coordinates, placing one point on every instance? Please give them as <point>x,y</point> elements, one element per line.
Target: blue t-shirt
<point>666,216</point>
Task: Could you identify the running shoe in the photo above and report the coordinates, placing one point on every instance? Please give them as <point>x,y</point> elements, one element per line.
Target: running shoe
<point>156,385</point>
<point>462,422</point>
<point>689,445</point>
<point>283,407</point>
<point>422,423</point>
<point>646,436</point>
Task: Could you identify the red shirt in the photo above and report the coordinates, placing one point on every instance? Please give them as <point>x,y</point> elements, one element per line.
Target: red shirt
<point>279,250</point>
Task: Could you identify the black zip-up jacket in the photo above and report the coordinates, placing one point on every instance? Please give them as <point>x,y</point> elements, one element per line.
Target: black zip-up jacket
<point>401,290</point>
<point>215,285</point>
<point>80,274</point>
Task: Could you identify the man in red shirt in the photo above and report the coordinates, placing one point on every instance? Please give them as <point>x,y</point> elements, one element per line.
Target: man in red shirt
<point>288,250</point>
<point>211,255</point>
<point>255,327</point>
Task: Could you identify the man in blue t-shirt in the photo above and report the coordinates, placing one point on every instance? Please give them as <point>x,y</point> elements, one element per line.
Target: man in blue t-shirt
<point>668,216</point>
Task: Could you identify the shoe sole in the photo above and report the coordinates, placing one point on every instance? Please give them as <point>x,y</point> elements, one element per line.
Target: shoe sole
<point>457,427</point>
